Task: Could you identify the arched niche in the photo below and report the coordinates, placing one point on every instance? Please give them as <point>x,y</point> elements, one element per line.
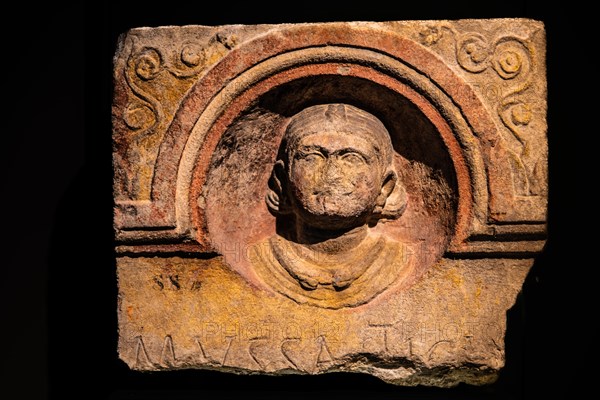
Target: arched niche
<point>333,64</point>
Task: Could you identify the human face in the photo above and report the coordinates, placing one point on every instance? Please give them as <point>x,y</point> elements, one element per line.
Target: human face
<point>335,179</point>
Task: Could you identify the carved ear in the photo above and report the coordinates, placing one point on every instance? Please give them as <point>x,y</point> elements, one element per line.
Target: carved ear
<point>389,183</point>
<point>392,200</point>
<point>276,199</point>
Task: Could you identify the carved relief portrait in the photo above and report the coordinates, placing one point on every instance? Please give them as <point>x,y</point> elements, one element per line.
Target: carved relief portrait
<point>334,178</point>
<point>312,198</point>
<point>337,190</point>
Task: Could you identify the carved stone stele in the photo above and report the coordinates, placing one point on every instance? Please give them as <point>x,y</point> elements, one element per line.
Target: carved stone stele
<point>312,198</point>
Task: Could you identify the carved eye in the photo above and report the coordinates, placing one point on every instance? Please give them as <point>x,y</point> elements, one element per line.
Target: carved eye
<point>353,158</point>
<point>311,156</point>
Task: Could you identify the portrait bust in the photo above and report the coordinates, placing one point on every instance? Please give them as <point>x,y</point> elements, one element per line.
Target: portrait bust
<point>333,181</point>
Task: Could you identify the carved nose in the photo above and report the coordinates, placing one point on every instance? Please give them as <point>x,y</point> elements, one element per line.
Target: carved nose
<point>332,172</point>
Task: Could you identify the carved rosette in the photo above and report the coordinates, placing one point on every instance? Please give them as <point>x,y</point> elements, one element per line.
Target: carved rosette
<point>508,71</point>
<point>157,76</point>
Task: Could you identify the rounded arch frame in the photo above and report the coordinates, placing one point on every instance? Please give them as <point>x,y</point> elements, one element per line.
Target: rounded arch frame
<point>379,55</point>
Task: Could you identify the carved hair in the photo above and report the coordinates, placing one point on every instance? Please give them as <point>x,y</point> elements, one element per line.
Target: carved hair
<point>335,117</point>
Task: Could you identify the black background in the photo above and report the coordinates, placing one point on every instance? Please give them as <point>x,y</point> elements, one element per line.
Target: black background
<point>58,320</point>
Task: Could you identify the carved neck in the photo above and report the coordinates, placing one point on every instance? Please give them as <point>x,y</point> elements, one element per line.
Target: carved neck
<point>329,241</point>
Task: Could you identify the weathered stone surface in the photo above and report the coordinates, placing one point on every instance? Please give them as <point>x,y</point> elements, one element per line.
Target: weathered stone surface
<point>312,198</point>
<point>193,313</point>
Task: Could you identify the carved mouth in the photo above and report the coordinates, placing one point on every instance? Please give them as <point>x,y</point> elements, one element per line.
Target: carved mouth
<point>330,193</point>
<point>328,202</point>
